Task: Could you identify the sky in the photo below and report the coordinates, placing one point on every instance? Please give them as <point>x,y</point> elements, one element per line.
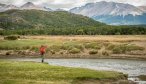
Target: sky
<point>68,4</point>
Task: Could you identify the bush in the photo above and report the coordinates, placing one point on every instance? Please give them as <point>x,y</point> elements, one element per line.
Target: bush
<point>110,47</point>
<point>123,48</point>
<point>55,47</point>
<point>74,51</point>
<point>52,52</point>
<point>105,53</point>
<point>134,47</point>
<point>66,47</point>
<point>93,45</point>
<point>11,37</point>
<point>61,52</point>
<point>119,49</point>
<point>71,46</point>
<point>8,53</point>
<point>79,46</point>
<point>93,52</point>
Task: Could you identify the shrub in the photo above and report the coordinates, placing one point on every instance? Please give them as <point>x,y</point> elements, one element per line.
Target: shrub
<point>105,53</point>
<point>64,47</point>
<point>106,44</point>
<point>55,47</point>
<point>79,46</point>
<point>8,53</point>
<point>74,51</point>
<point>123,48</point>
<point>61,53</point>
<point>134,47</point>
<point>71,46</point>
<point>119,49</point>
<point>93,52</point>
<point>52,52</point>
<point>110,47</point>
<point>93,45</point>
<point>23,53</point>
<point>11,37</point>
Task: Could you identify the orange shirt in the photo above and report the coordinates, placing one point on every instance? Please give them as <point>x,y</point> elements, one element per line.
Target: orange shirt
<point>42,49</point>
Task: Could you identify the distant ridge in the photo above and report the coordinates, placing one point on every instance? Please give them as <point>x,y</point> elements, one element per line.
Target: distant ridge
<point>143,8</point>
<point>26,6</point>
<point>112,13</point>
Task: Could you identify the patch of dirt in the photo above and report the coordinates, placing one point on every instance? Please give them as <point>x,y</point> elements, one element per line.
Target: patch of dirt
<point>103,82</point>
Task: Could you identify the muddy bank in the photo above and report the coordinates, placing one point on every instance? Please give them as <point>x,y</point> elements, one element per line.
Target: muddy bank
<point>103,82</point>
<point>142,77</point>
<point>79,56</point>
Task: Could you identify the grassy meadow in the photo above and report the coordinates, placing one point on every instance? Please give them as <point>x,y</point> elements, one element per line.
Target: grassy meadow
<point>77,46</point>
<point>13,72</point>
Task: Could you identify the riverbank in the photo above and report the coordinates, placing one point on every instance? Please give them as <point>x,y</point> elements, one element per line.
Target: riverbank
<point>127,57</point>
<point>100,46</point>
<point>142,77</point>
<point>13,72</point>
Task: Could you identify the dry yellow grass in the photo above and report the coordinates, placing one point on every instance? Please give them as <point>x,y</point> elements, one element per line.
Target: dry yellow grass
<point>110,38</point>
<point>139,40</point>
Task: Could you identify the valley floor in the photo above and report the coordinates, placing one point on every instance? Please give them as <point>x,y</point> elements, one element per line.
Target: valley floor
<point>98,46</point>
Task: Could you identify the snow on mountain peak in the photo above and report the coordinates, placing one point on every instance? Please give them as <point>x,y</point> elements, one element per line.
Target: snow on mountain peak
<point>143,8</point>
<point>107,8</point>
<point>26,6</point>
<point>4,7</point>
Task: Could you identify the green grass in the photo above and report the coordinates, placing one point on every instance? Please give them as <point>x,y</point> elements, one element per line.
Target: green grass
<point>24,44</point>
<point>12,72</point>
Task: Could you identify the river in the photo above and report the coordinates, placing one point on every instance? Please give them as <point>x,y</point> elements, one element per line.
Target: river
<point>133,68</point>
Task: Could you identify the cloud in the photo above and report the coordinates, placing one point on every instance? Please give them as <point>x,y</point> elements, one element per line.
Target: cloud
<point>67,4</point>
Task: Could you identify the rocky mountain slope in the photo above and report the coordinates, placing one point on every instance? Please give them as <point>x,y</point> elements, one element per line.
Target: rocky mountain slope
<point>112,13</point>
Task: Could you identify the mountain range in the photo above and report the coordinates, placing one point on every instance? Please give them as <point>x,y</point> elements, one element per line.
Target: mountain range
<point>107,12</point>
<point>28,6</point>
<point>143,8</point>
<point>113,13</point>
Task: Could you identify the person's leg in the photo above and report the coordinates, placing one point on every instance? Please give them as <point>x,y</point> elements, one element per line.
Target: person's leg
<point>42,59</point>
<point>42,55</point>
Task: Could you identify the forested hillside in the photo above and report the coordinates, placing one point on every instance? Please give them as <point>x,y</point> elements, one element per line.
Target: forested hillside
<point>37,19</point>
<point>37,22</point>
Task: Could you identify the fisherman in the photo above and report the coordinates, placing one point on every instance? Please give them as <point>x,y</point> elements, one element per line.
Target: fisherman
<point>42,52</point>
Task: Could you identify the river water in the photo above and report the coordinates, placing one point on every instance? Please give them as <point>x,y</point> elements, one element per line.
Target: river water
<point>133,68</point>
